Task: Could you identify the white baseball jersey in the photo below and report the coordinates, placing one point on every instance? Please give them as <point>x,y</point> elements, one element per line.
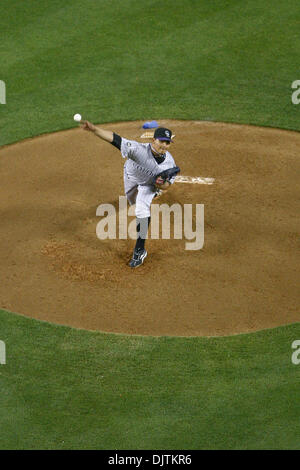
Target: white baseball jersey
<point>141,166</point>
<point>139,170</point>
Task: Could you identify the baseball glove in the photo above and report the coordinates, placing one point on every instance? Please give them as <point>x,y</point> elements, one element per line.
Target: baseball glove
<point>164,176</point>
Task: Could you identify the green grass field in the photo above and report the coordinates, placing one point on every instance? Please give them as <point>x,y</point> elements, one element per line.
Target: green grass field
<point>68,389</point>
<point>222,60</point>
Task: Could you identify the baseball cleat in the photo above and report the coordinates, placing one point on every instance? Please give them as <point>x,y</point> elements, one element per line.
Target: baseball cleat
<point>158,193</point>
<point>137,258</point>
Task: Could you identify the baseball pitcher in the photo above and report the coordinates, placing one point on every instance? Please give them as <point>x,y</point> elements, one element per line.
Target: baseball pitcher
<point>148,170</point>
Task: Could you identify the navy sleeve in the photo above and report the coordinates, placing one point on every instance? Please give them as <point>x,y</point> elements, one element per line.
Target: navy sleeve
<point>117,141</point>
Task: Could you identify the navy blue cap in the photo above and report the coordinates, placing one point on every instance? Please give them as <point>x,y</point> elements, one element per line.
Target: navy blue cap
<point>161,133</point>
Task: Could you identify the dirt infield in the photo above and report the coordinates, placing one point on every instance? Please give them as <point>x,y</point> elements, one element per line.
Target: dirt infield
<point>245,278</point>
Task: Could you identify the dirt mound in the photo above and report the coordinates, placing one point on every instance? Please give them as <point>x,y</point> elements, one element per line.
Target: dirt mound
<point>55,268</point>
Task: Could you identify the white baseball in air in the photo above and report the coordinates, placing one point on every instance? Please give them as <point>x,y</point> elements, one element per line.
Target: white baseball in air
<point>77,117</point>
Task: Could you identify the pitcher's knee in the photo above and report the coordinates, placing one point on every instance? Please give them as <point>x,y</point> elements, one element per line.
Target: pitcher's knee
<point>142,212</point>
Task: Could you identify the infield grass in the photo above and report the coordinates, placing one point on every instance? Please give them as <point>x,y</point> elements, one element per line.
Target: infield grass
<point>63,388</point>
<point>220,60</point>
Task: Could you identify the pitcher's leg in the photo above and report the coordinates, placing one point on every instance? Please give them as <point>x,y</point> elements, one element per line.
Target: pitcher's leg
<point>143,210</point>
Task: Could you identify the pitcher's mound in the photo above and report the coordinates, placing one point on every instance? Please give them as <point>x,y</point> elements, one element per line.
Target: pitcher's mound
<point>245,278</point>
